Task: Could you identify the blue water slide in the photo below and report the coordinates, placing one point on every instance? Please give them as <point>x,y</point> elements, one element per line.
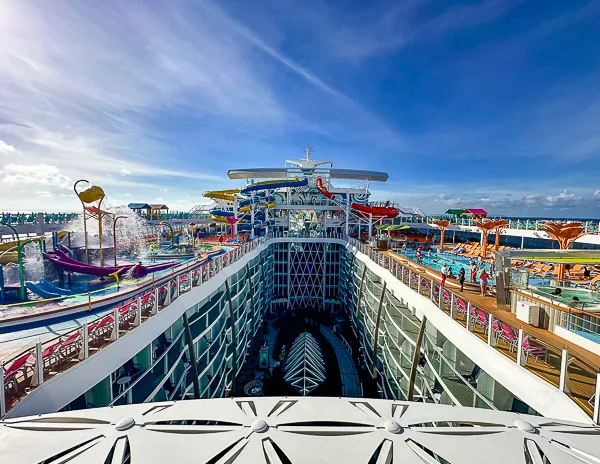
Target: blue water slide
<point>274,185</point>
<point>46,289</point>
<point>219,212</point>
<point>257,199</point>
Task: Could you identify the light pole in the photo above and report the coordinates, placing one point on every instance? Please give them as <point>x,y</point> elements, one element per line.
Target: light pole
<point>192,235</point>
<point>85,236</point>
<point>115,235</point>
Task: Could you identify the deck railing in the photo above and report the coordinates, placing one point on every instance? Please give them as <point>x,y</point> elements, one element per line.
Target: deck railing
<point>22,373</point>
<point>577,377</point>
<point>518,224</point>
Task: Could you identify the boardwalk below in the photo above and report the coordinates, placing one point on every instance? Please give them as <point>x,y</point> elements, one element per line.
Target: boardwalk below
<point>348,374</point>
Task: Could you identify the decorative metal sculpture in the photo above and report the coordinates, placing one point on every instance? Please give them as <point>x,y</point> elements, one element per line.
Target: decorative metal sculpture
<point>443,225</point>
<point>565,235</point>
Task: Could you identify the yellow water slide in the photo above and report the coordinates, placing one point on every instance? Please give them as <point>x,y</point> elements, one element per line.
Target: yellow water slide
<point>226,195</point>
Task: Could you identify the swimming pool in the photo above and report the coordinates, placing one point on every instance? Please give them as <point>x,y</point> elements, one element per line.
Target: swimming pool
<point>587,300</point>
<point>435,261</point>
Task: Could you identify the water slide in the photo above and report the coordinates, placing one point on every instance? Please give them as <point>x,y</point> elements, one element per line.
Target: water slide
<point>63,261</point>
<point>274,184</point>
<point>362,210</point>
<point>47,290</point>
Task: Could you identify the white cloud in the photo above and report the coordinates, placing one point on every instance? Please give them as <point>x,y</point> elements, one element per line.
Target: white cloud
<point>6,149</point>
<point>125,172</point>
<point>34,174</point>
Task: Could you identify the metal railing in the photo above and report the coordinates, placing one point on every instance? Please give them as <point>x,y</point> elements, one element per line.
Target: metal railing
<point>518,224</point>
<point>31,367</point>
<point>577,377</point>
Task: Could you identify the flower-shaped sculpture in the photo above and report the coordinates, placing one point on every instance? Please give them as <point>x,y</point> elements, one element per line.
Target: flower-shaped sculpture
<point>443,225</point>
<point>565,235</point>
<point>499,226</point>
<point>485,226</point>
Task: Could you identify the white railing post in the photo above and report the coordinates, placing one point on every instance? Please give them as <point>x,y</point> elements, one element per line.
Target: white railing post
<point>168,297</point>
<point>154,303</point>
<point>138,311</point>
<point>431,290</point>
<point>2,392</point>
<point>409,277</point>
<point>596,400</point>
<point>521,361</point>
<point>452,310</point>
<point>419,286</point>
<point>468,316</point>
<point>191,280</point>
<point>491,334</point>
<point>115,332</point>
<point>38,377</point>
<point>563,382</point>
<point>441,298</point>
<point>86,341</point>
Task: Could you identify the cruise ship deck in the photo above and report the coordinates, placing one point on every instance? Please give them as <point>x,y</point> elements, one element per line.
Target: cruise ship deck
<point>311,290</point>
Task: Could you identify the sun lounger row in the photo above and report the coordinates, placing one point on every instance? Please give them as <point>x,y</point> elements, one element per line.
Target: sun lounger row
<point>59,352</point>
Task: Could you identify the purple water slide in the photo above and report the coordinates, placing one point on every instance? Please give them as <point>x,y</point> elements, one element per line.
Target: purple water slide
<point>63,261</point>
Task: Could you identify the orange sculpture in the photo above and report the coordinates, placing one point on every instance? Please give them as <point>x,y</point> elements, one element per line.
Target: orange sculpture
<point>499,226</point>
<point>565,235</point>
<point>485,226</point>
<point>443,225</point>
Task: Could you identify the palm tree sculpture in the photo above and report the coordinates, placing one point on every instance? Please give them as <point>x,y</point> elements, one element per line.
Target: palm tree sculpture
<point>499,226</point>
<point>443,225</point>
<point>565,235</point>
<point>485,226</point>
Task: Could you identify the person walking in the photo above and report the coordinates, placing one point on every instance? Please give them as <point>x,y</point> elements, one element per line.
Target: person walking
<point>461,278</point>
<point>444,272</point>
<point>484,276</point>
<point>474,273</point>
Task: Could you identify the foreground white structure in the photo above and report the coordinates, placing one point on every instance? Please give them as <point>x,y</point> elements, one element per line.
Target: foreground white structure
<point>297,430</point>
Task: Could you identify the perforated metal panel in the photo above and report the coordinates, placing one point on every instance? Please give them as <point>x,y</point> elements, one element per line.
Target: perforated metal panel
<point>296,430</point>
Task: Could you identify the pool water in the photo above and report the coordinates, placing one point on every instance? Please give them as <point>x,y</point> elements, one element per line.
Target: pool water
<point>436,260</point>
<point>585,296</point>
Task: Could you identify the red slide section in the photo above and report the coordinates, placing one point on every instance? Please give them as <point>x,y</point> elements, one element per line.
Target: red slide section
<point>363,211</point>
<point>323,190</point>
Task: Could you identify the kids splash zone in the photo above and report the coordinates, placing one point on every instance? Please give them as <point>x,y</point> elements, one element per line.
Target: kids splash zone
<point>106,254</point>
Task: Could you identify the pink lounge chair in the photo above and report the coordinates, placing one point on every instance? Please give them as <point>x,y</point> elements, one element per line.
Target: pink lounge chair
<point>17,364</point>
<point>507,333</point>
<point>533,350</point>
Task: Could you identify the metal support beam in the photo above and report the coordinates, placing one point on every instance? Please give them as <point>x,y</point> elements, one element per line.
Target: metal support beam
<point>360,293</point>
<point>251,290</point>
<point>377,322</point>
<point>192,352</point>
<point>233,335</point>
<point>521,361</point>
<point>415,361</point>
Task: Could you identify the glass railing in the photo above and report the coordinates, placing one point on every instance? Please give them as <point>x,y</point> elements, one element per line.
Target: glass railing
<point>22,373</point>
<point>562,366</point>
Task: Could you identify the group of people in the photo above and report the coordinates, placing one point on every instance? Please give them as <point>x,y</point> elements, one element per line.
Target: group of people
<point>447,273</point>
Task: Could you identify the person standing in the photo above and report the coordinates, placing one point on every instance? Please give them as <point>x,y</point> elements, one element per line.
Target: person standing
<point>444,272</point>
<point>474,273</point>
<point>484,276</point>
<point>461,278</point>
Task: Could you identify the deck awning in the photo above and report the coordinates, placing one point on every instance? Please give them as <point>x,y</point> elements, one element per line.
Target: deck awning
<point>282,173</point>
<point>156,207</point>
<point>476,211</point>
<point>139,206</point>
<point>455,212</point>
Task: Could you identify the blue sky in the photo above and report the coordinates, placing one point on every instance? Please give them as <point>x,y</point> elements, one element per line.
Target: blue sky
<point>491,103</point>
